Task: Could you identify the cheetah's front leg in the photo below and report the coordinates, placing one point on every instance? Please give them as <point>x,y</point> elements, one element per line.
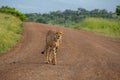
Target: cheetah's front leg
<point>54,57</point>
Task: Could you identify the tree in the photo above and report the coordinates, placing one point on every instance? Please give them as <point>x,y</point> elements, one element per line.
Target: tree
<point>118,10</point>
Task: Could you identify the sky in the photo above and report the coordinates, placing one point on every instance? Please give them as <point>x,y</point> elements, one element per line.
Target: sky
<point>43,6</point>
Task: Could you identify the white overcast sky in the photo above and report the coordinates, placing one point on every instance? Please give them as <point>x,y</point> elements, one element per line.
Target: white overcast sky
<point>42,6</point>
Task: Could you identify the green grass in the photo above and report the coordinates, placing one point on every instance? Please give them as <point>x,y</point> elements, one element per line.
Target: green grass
<point>9,31</point>
<point>99,25</point>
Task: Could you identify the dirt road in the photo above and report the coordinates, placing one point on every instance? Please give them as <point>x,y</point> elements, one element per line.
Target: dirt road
<point>82,56</point>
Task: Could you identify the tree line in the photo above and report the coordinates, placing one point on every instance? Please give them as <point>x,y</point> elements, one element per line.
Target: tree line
<point>69,16</point>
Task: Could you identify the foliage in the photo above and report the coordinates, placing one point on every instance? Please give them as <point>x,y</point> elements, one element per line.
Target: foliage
<point>100,25</point>
<point>13,11</point>
<point>9,31</point>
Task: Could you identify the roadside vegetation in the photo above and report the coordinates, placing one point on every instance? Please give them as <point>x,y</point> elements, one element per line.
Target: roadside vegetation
<point>99,25</point>
<point>10,31</point>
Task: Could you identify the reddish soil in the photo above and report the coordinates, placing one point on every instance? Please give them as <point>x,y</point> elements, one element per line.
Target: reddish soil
<point>82,56</point>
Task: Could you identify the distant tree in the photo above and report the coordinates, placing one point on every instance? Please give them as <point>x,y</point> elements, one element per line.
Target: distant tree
<point>41,20</point>
<point>82,11</point>
<point>94,13</point>
<point>118,10</point>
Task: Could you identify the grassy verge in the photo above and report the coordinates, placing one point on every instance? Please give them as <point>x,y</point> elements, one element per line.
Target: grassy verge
<point>9,31</point>
<point>99,25</point>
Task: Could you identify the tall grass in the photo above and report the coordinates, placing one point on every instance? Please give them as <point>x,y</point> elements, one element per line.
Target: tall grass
<point>9,31</point>
<point>100,25</point>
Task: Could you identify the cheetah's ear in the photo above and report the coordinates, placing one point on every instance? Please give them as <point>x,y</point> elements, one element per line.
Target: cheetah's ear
<point>60,32</point>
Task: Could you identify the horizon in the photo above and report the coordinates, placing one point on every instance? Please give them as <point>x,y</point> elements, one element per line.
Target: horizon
<point>46,6</point>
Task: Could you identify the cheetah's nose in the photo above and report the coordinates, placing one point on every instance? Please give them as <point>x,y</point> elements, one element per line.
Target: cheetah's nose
<point>58,37</point>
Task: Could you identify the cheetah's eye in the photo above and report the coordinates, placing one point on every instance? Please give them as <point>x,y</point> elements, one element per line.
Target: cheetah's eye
<point>57,36</point>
